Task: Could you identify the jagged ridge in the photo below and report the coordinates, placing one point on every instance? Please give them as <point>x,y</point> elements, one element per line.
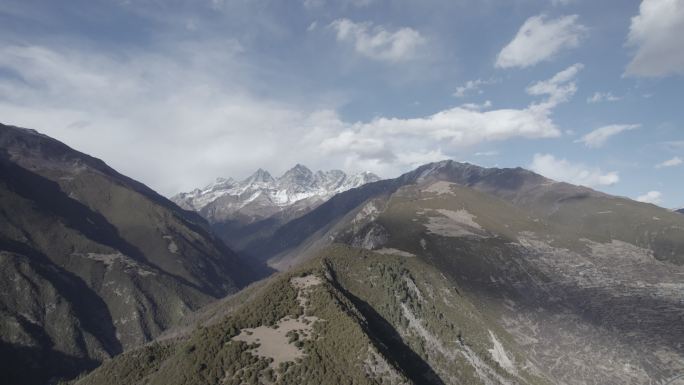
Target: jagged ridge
<point>226,196</point>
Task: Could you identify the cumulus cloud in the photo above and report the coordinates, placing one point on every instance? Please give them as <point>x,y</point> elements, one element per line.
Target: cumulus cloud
<point>599,97</point>
<point>472,86</point>
<point>676,161</point>
<point>653,197</point>
<point>559,88</point>
<point>579,174</point>
<point>384,139</point>
<point>656,34</point>
<point>540,39</point>
<point>174,120</point>
<point>600,136</point>
<point>377,42</point>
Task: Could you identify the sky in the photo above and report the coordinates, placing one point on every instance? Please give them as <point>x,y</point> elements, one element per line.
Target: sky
<point>176,93</point>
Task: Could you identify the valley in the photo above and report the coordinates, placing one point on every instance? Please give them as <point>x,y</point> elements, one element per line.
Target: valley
<point>449,274</point>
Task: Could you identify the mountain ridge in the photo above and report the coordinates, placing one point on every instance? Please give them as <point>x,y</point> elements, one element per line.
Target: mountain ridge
<point>541,196</point>
<point>94,263</point>
<point>449,274</point>
<point>296,184</point>
<point>250,210</point>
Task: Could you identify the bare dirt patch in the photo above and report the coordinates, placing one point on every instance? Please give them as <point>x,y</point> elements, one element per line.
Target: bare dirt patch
<point>305,281</point>
<point>274,342</point>
<point>451,223</point>
<point>439,188</point>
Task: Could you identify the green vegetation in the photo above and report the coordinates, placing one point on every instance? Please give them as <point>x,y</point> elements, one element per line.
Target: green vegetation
<point>362,333</point>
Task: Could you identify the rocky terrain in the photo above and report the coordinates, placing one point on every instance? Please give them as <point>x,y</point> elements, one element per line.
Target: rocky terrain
<point>348,316</point>
<point>450,274</point>
<point>576,276</point>
<point>249,210</point>
<point>92,262</point>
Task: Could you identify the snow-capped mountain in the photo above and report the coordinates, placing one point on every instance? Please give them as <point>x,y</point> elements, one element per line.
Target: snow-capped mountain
<point>260,195</point>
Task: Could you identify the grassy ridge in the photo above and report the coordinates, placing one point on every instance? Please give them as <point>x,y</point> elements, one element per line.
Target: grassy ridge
<point>383,319</point>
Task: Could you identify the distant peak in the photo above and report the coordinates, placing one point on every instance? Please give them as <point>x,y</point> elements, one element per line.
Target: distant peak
<point>298,174</point>
<point>300,168</point>
<point>367,176</point>
<point>220,180</point>
<point>260,175</point>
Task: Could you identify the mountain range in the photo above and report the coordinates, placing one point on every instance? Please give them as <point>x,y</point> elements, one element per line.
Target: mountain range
<point>449,274</point>
<point>249,210</point>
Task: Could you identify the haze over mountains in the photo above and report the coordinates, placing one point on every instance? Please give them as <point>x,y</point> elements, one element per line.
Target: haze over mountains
<point>449,274</point>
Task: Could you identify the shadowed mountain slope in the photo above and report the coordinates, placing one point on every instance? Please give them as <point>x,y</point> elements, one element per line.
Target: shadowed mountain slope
<point>580,210</point>
<point>575,275</point>
<point>93,262</point>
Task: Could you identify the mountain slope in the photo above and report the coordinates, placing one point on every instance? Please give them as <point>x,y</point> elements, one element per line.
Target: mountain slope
<point>93,262</point>
<point>476,276</point>
<point>348,317</point>
<point>561,290</point>
<point>576,276</point>
<point>254,208</point>
<point>582,211</point>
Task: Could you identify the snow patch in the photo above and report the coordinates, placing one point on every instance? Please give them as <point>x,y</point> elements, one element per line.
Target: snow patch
<point>389,250</point>
<point>499,355</point>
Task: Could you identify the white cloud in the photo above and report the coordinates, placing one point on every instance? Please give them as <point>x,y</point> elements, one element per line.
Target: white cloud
<point>579,174</point>
<point>385,139</point>
<point>676,161</point>
<point>599,136</point>
<point>377,42</point>
<point>654,197</point>
<point>487,153</point>
<point>472,86</point>
<point>656,33</point>
<point>190,118</point>
<point>599,97</point>
<point>540,39</point>
<point>477,107</point>
<point>186,118</point>
<point>559,88</point>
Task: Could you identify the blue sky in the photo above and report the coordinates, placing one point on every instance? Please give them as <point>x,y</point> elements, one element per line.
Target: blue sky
<point>176,93</point>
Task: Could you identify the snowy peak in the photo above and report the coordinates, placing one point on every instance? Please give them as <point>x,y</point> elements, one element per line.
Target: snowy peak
<point>260,176</point>
<point>297,176</point>
<point>296,184</point>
